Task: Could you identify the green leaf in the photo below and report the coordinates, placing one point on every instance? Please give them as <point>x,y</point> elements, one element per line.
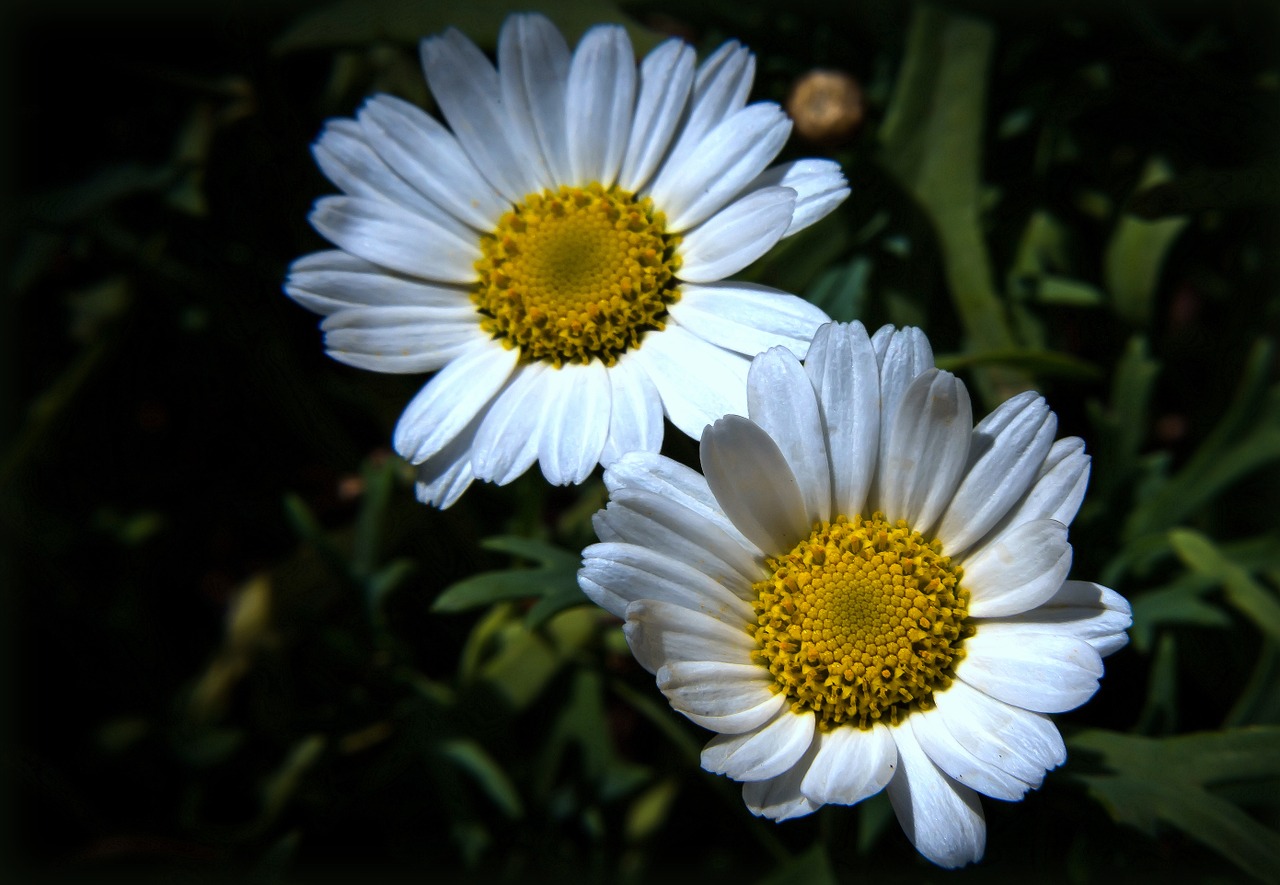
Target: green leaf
<point>1151,780</point>
<point>471,758</point>
<point>650,809</point>
<point>358,22</point>
<point>1179,602</point>
<point>842,290</point>
<point>1254,600</point>
<point>1042,363</point>
<point>1136,254</point>
<point>811,868</point>
<point>555,578</point>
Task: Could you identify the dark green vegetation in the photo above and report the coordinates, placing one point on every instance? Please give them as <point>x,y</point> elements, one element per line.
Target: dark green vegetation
<point>240,651</point>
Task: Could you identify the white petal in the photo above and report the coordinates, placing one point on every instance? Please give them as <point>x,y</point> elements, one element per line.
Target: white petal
<point>712,546</point>
<point>720,88</point>
<point>1058,488</point>
<point>1098,615</point>
<point>635,420</point>
<point>753,484</point>
<point>442,478</point>
<point>781,798</point>
<point>1005,452</point>
<point>764,753</point>
<point>451,399</point>
<point>958,763</point>
<point>942,819</point>
<point>851,765</point>
<point>615,575</point>
<point>736,697</point>
<point>396,238</point>
<point>576,422</point>
<point>666,78</point>
<point>842,366</point>
<point>349,162</point>
<point>672,480</point>
<point>533,66</point>
<point>674,356</point>
<point>1036,671</point>
<point>468,91</point>
<point>660,633</point>
<point>902,354</point>
<point>820,187</point>
<point>1023,743</point>
<point>507,442</point>
<point>928,449</point>
<point>731,155</point>
<point>1017,570</point>
<point>781,400</point>
<point>736,236</point>
<point>599,102</point>
<point>425,154</point>
<point>747,318</point>
<point>401,339</point>
<point>327,282</point>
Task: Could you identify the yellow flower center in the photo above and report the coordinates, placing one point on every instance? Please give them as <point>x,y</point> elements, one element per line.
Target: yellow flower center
<point>861,622</point>
<point>577,274</point>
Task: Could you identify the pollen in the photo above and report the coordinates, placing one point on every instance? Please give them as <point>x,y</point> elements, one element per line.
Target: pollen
<point>577,274</point>
<point>861,622</point>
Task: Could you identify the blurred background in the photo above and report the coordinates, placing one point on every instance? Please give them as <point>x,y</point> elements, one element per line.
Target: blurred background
<point>239,650</point>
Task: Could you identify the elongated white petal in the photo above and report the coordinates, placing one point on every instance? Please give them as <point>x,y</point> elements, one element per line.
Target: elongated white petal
<point>401,339</point>
<point>711,546</point>
<point>396,238</point>
<point>442,478</point>
<point>820,187</point>
<point>666,79</point>
<point>660,634</point>
<point>672,480</point>
<point>902,354</point>
<point>736,697</point>
<point>732,154</point>
<point>347,160</point>
<point>1018,570</point>
<point>1058,488</point>
<point>959,764</point>
<point>1043,672</point>
<point>720,88</point>
<point>426,155</point>
<point>781,400</point>
<point>942,818</point>
<point>736,236</point>
<point>533,67</point>
<point>507,442</point>
<point>842,366</point>
<point>850,765</point>
<point>782,798</point>
<point>1023,743</point>
<point>614,575</point>
<point>747,318</point>
<point>671,357</point>
<point>451,399</point>
<point>1006,451</point>
<point>635,419</point>
<point>927,451</point>
<point>327,282</point>
<point>1098,615</point>
<point>576,400</point>
<point>764,753</point>
<point>599,102</point>
<point>468,91</point>
<point>753,484</point>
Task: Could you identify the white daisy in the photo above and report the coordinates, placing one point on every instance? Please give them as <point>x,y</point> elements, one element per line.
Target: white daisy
<point>557,253</point>
<point>865,591</point>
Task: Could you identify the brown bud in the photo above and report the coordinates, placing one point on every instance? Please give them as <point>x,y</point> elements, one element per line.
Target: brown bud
<point>826,106</point>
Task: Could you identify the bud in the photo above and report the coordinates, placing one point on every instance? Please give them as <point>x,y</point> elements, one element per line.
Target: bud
<point>826,106</point>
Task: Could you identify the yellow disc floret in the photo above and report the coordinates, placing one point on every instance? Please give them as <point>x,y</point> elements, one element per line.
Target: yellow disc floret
<point>577,274</point>
<point>861,622</point>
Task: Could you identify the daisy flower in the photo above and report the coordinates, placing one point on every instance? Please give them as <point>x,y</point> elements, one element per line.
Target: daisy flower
<point>556,253</point>
<point>865,591</point>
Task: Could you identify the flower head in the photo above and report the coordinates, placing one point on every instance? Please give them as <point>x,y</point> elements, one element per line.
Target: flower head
<point>865,591</point>
<point>556,254</point>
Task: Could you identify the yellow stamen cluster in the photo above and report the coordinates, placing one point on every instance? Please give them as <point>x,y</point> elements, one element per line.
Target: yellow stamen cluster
<point>577,274</point>
<point>861,622</point>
